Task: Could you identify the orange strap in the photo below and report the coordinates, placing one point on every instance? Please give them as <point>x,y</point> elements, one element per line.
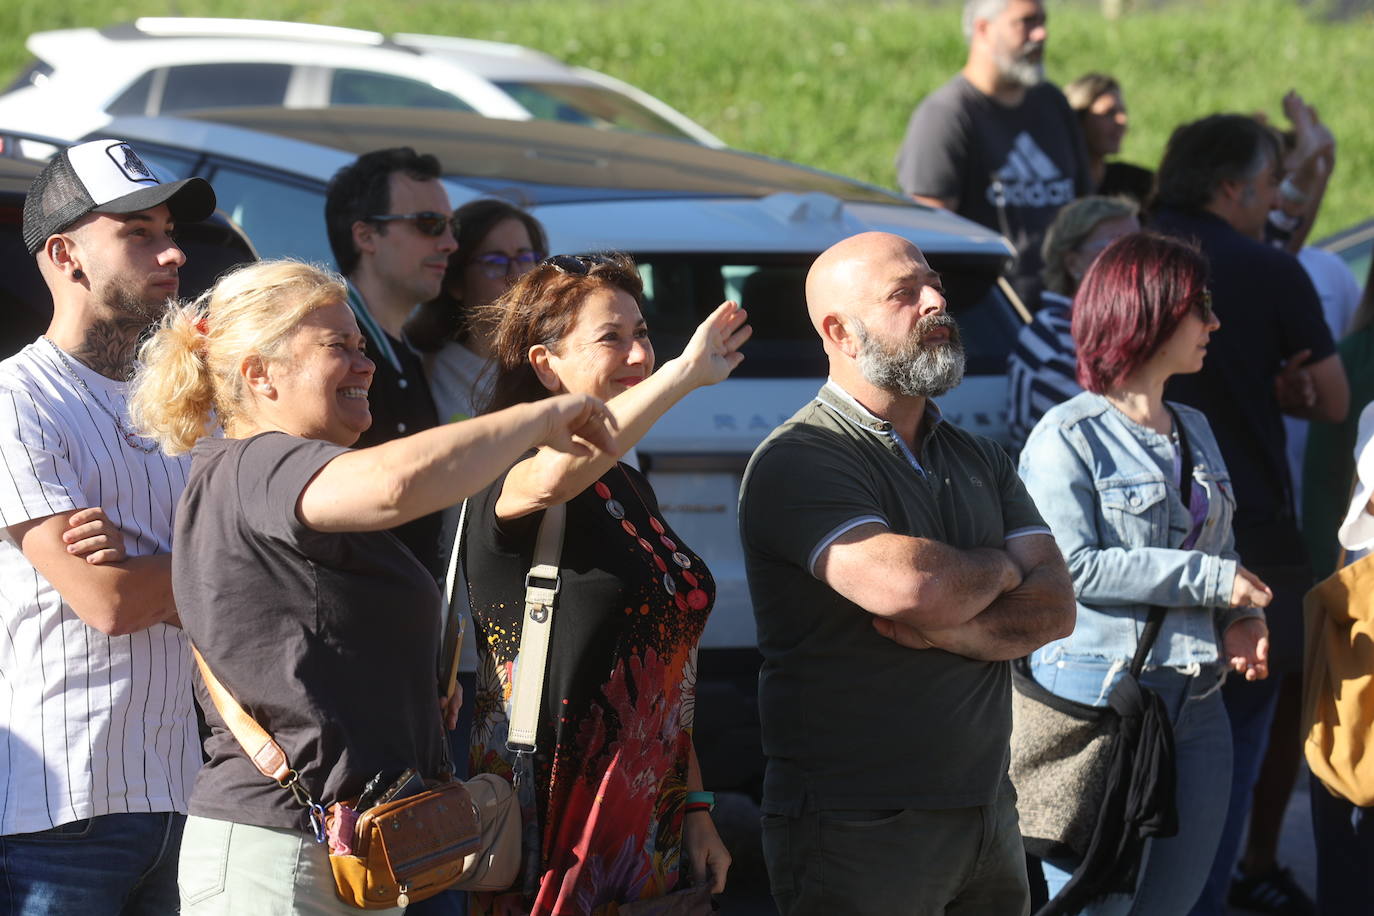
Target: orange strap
<point>260,747</point>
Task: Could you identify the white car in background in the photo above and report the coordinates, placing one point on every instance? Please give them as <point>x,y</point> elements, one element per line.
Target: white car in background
<point>704,225</point>
<point>80,78</point>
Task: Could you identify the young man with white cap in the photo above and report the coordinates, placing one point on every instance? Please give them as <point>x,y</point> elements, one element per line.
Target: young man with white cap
<point>97,733</point>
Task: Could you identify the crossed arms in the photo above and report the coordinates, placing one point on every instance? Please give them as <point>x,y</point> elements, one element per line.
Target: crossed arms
<point>986,604</point>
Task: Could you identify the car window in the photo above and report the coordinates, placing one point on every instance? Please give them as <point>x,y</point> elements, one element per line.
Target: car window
<point>224,86</point>
<point>362,87</point>
<point>134,100</point>
<point>680,290</point>
<point>175,163</point>
<point>282,219</point>
<point>592,106</point>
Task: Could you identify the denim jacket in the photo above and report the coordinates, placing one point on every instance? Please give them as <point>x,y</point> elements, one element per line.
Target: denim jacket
<point>1107,488</point>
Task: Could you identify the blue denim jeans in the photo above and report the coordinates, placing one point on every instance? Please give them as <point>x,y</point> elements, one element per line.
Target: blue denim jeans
<point>114,863</point>
<point>1250,707</point>
<point>1174,869</point>
<point>1344,836</point>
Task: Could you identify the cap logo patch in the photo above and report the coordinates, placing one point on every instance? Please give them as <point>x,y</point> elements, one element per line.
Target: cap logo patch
<point>128,162</point>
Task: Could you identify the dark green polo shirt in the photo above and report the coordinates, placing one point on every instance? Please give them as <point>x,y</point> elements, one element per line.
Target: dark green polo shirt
<point>851,719</point>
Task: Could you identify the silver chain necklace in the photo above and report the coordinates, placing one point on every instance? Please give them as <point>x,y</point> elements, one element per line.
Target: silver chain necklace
<point>129,438</point>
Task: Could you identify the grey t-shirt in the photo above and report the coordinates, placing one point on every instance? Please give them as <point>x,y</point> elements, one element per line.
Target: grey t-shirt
<point>961,144</point>
<point>851,719</point>
<point>329,641</point>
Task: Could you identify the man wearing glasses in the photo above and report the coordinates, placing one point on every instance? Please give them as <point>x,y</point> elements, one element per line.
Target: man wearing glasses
<point>387,216</point>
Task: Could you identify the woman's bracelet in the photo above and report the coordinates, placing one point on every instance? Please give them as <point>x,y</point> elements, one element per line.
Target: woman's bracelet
<point>701,801</point>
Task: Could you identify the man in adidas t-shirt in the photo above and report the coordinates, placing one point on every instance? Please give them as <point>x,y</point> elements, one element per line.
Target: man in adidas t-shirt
<point>98,742</point>
<point>998,144</point>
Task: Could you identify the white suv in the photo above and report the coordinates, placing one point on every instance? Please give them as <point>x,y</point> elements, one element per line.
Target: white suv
<point>80,78</point>
<point>704,225</point>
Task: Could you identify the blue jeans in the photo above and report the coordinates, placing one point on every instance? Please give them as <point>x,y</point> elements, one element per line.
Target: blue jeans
<point>1345,851</point>
<point>1250,706</point>
<point>115,864</point>
<point>1174,869</point>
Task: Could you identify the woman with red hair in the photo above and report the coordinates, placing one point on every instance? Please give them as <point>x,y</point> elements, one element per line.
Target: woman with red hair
<point>1140,503</point>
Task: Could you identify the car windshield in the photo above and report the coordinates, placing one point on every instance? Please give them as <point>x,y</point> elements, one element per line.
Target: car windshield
<point>681,289</point>
<point>591,106</point>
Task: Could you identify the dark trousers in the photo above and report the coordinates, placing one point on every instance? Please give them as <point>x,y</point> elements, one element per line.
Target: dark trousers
<point>898,863</point>
<point>1345,854</point>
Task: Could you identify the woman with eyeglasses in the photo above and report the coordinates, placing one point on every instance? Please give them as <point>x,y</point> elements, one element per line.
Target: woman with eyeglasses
<point>1140,502</point>
<point>613,797</point>
<point>497,243</point>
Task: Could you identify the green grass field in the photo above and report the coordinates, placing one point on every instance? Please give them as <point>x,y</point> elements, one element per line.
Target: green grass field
<point>831,84</point>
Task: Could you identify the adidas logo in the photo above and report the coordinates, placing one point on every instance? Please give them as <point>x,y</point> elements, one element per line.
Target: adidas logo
<point>1029,178</point>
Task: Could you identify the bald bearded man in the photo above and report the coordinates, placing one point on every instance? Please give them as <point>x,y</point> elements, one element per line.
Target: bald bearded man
<point>896,564</point>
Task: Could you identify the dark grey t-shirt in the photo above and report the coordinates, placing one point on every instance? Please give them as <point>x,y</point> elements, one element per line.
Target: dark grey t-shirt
<point>329,641</point>
<point>961,144</point>
<point>851,719</point>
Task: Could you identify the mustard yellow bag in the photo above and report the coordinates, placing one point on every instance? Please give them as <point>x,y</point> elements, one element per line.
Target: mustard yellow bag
<point>1338,681</point>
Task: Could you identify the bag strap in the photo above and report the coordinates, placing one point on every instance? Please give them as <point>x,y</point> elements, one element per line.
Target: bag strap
<point>1185,461</point>
<point>455,619</point>
<point>261,748</point>
<point>542,583</point>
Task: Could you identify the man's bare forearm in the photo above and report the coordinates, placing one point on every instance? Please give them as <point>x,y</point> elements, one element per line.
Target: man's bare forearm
<point>1022,620</point>
<point>914,581</point>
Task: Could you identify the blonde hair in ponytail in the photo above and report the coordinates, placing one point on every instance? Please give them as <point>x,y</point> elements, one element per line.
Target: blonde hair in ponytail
<point>189,380</point>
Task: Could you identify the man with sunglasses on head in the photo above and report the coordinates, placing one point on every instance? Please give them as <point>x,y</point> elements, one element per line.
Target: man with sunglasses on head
<point>387,215</point>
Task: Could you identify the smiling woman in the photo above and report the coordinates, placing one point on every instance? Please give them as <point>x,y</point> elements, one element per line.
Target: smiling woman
<point>310,614</point>
<point>615,787</point>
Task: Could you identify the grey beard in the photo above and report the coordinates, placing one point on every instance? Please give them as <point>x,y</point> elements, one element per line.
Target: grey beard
<point>913,369</point>
<point>1023,72</point>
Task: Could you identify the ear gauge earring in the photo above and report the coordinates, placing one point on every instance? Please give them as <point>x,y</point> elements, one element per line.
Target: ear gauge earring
<point>77,274</point>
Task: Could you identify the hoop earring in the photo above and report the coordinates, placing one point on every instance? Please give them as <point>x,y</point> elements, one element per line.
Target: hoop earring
<point>77,274</point>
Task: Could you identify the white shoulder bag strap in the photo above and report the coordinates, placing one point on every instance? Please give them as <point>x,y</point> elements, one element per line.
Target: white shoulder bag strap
<point>454,618</point>
<point>541,590</point>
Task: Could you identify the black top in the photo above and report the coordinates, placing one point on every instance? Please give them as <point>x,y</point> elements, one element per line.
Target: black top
<point>401,405</point>
<point>1122,179</point>
<point>328,640</point>
<point>1268,311</point>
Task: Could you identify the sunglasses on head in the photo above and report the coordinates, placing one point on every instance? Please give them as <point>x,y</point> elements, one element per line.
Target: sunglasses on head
<point>579,265</point>
<point>428,222</point>
<point>494,266</point>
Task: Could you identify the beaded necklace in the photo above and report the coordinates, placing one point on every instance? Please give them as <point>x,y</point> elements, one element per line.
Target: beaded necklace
<point>695,596</point>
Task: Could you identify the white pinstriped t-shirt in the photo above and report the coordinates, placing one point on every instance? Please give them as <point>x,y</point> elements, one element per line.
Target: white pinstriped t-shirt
<point>89,724</point>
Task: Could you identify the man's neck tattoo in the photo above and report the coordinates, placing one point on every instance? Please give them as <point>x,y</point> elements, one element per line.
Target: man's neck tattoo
<point>109,345</point>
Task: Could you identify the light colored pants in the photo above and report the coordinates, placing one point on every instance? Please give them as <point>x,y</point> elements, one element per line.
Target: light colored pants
<point>898,863</point>
<point>230,869</point>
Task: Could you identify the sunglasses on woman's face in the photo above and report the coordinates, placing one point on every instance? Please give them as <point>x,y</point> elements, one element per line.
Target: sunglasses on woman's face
<point>1204,306</point>
<point>429,222</point>
<point>495,266</point>
<point>579,265</point>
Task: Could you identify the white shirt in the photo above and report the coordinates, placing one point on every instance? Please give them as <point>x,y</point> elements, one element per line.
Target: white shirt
<point>89,724</point>
<point>458,380</point>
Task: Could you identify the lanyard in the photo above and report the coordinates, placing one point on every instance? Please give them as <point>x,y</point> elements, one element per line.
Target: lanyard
<point>376,337</point>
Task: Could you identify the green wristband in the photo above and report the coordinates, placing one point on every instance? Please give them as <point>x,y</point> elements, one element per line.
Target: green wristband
<point>702,798</point>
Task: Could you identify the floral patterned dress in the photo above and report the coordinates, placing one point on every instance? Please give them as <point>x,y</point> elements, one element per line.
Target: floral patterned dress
<point>604,793</point>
